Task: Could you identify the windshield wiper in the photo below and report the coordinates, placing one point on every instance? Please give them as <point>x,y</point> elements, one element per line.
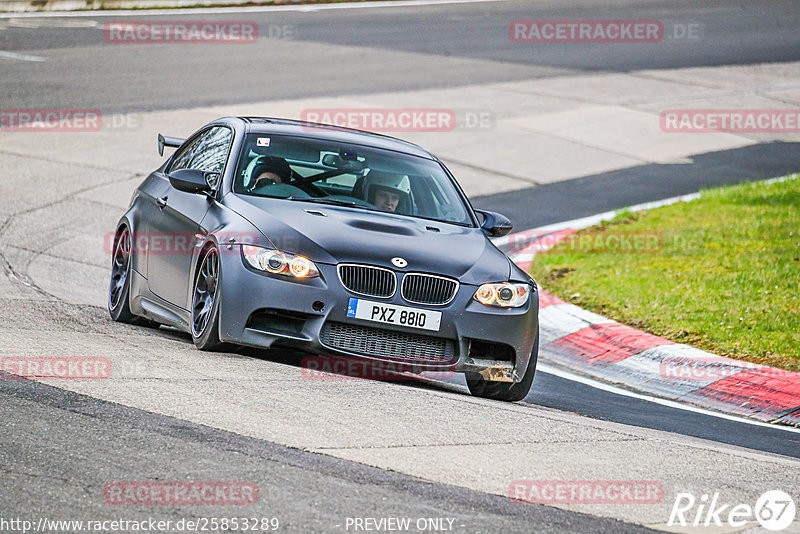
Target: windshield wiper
<point>332,201</point>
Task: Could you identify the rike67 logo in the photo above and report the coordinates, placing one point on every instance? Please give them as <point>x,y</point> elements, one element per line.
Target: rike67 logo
<point>774,510</point>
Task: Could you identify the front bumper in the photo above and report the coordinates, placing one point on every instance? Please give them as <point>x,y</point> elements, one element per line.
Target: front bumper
<point>258,309</point>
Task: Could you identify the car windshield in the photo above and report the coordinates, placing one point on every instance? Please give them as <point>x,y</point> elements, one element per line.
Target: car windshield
<point>329,172</point>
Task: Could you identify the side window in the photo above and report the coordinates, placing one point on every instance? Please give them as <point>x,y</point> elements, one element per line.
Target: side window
<point>208,151</point>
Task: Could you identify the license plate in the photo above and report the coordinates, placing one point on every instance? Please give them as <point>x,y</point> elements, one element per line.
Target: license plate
<point>380,312</point>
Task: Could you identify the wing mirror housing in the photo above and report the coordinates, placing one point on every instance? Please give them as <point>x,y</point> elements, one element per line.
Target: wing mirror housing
<point>495,224</point>
<point>193,180</point>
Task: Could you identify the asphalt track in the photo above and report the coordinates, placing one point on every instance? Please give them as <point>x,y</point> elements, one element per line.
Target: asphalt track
<point>370,52</point>
<point>316,491</point>
<point>305,492</point>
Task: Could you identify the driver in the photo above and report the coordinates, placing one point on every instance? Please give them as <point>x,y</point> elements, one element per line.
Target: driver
<point>270,170</point>
<point>386,190</point>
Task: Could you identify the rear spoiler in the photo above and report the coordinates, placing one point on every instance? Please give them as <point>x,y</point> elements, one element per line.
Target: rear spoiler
<point>163,141</point>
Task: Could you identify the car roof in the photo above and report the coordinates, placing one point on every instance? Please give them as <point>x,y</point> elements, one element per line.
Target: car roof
<point>314,130</point>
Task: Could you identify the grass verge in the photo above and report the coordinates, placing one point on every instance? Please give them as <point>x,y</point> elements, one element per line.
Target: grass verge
<point>721,273</point>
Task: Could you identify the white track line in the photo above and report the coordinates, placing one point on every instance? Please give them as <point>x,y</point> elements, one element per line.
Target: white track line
<point>228,10</point>
<point>19,57</point>
<point>561,373</point>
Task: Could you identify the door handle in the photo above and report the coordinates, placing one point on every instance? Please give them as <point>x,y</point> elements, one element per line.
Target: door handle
<point>162,202</point>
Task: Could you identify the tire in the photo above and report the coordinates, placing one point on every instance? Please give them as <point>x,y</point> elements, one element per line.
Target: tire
<point>120,286</point>
<point>505,391</point>
<point>205,304</point>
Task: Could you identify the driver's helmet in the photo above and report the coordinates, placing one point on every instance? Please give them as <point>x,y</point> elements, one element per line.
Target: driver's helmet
<point>395,183</point>
<point>272,164</point>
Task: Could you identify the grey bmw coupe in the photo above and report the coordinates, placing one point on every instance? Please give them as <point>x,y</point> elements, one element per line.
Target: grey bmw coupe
<point>277,233</point>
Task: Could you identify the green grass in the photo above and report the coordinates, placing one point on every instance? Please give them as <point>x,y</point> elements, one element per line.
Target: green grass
<point>721,273</point>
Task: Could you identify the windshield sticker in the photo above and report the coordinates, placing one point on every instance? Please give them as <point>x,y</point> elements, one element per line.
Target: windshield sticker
<point>263,141</point>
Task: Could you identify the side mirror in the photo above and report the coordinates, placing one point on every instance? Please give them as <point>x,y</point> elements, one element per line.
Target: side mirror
<point>495,224</point>
<point>193,180</point>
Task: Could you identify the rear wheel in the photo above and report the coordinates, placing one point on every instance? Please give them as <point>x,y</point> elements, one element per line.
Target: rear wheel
<point>205,304</point>
<point>505,391</point>
<point>119,290</point>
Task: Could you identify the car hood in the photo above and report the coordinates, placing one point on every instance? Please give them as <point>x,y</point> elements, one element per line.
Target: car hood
<point>332,234</point>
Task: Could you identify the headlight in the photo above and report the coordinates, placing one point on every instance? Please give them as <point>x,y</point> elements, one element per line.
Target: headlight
<point>505,294</point>
<point>277,262</point>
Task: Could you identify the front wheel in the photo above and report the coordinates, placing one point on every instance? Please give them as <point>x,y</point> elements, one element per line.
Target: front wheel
<point>205,302</point>
<point>505,391</point>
